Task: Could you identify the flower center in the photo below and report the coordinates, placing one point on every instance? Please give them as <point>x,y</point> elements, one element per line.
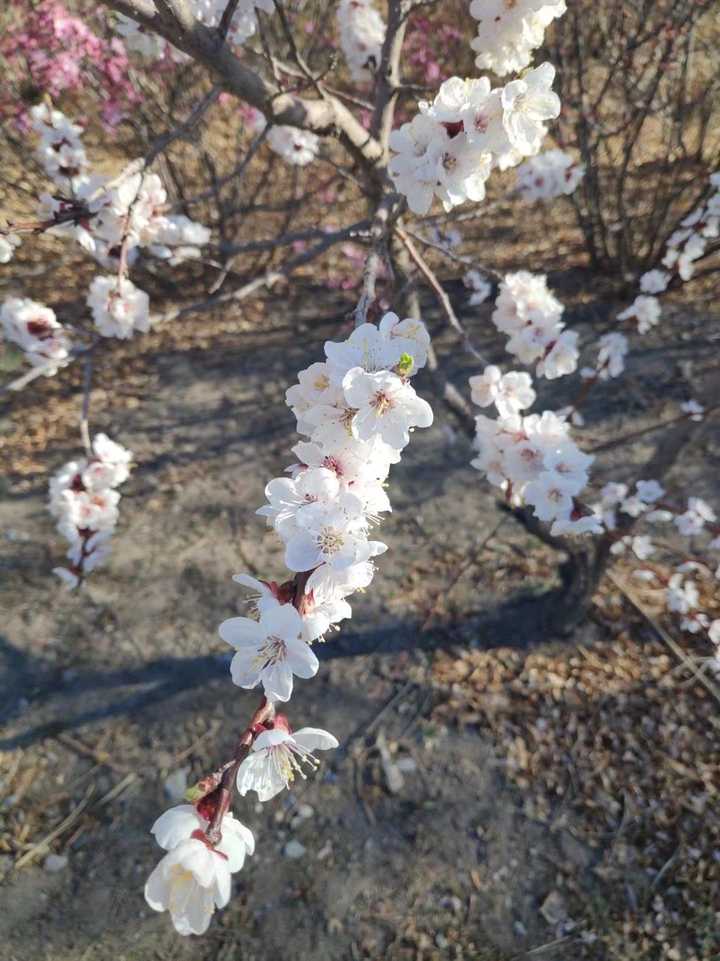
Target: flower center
<point>329,540</point>
<point>288,759</point>
<point>381,403</point>
<point>273,650</point>
<point>449,161</point>
<point>333,464</point>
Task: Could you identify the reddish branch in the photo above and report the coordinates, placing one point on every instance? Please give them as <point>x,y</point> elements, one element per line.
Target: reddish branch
<point>220,786</point>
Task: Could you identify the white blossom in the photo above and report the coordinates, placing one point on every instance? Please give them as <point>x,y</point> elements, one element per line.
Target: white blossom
<point>278,756</point>
<point>649,491</point>
<point>654,281</point>
<point>295,146</point>
<point>362,31</point>
<point>119,308</point>
<point>646,310</point>
<point>548,175</point>
<point>534,459</point>
<point>480,287</point>
<point>37,332</point>
<point>269,651</point>
<point>681,596</point>
<point>527,105</point>
<point>611,356</point>
<point>85,503</point>
<point>194,877</point>
<point>385,406</point>
<point>509,31</point>
<point>693,409</point>
<point>528,312</point>
<point>8,243</point>
<point>510,392</point>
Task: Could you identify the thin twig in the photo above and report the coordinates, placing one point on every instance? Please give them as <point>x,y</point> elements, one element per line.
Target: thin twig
<point>441,295</point>
<point>84,414</point>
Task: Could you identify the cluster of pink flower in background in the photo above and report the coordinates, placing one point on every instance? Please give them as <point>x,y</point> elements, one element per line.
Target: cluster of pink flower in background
<point>56,52</point>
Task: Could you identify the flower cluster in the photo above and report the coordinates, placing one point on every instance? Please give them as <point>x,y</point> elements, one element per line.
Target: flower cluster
<point>684,247</point>
<point>450,148</point>
<point>194,877</point>
<point>112,219</point>
<point>58,52</point>
<point>60,149</point>
<point>362,31</point>
<point>690,242</point>
<point>357,409</point>
<point>84,500</point>
<point>510,30</point>
<point>679,591</point>
<point>37,332</point>
<point>530,315</point>
<point>532,458</point>
<point>548,175</point>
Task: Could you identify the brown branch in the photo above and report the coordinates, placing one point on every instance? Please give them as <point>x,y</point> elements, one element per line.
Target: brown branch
<point>387,212</point>
<point>388,74</point>
<point>326,115</point>
<point>225,790</point>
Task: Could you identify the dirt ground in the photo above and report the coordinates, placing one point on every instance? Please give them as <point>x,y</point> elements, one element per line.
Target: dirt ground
<point>497,794</point>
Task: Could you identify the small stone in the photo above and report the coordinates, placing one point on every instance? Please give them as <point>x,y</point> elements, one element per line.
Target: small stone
<point>325,851</point>
<point>452,903</point>
<point>394,780</point>
<point>303,812</point>
<point>55,862</point>
<point>553,908</point>
<point>294,850</point>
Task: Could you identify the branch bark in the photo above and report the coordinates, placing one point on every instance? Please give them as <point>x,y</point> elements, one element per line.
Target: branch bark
<point>324,115</point>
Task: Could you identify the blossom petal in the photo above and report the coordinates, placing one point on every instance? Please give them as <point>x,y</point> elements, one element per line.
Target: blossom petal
<point>176,825</point>
<point>241,632</point>
<point>315,739</point>
<point>244,669</point>
<point>301,660</point>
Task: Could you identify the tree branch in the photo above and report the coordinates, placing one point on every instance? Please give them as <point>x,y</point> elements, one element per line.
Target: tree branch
<point>324,116</point>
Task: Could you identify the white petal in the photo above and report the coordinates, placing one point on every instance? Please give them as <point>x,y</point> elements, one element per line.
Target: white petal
<point>301,553</point>
<point>301,660</point>
<point>256,773</point>
<point>278,681</point>
<point>315,739</point>
<point>241,632</point>
<point>157,889</point>
<point>244,670</point>
<point>282,621</point>
<point>176,825</point>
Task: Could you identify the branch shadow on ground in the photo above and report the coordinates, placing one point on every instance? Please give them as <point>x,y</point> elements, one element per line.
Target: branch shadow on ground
<point>76,702</point>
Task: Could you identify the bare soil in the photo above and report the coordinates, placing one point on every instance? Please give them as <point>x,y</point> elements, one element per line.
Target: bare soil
<point>558,799</point>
